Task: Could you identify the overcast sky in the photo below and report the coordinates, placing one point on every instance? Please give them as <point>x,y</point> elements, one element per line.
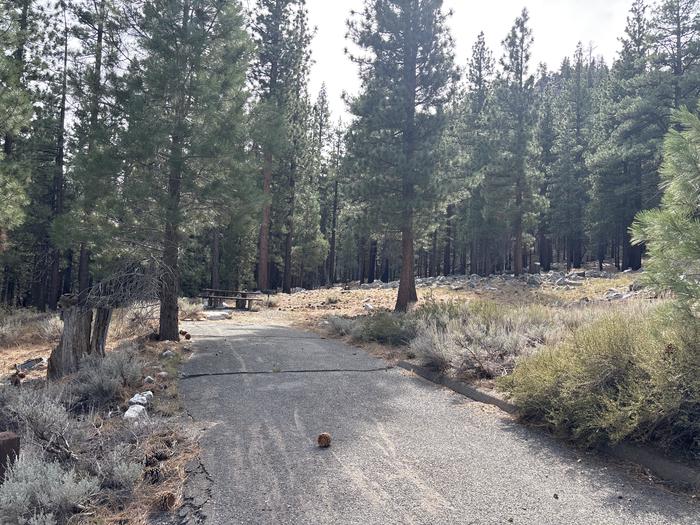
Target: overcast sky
<point>557,26</point>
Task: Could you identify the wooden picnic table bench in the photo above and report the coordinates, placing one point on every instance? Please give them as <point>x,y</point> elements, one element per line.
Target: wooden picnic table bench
<point>244,299</point>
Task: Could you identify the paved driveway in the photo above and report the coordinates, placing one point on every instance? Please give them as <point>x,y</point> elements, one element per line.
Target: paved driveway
<point>404,450</point>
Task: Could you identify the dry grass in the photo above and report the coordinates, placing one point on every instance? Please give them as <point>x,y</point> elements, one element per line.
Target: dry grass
<point>165,446</point>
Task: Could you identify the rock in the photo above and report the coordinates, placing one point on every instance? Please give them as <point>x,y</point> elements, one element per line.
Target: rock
<point>139,399</point>
<point>148,395</point>
<point>148,380</point>
<point>534,280</point>
<point>162,375</point>
<point>168,354</point>
<point>614,295</point>
<point>136,412</point>
<point>457,287</point>
<point>218,316</point>
<point>368,307</point>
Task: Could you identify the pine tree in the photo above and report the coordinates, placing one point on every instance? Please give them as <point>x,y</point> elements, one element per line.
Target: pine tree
<point>282,55</point>
<point>568,184</point>
<point>630,130</point>
<point>675,34</point>
<point>407,74</point>
<point>15,112</point>
<point>186,126</point>
<point>672,233</point>
<point>514,118</point>
<point>477,149</point>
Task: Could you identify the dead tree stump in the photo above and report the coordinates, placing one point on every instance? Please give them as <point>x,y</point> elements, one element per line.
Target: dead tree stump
<point>75,339</point>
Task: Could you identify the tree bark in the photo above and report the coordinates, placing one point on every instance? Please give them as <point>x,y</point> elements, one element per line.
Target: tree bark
<point>407,283</point>
<point>334,229</point>
<point>75,338</point>
<point>100,329</point>
<point>264,241</point>
<point>372,271</point>
<point>449,233</point>
<point>170,276</point>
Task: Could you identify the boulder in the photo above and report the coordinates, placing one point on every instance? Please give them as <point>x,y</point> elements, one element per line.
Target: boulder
<point>140,399</point>
<point>136,412</point>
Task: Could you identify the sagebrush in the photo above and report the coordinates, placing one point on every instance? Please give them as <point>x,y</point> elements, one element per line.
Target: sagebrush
<point>623,377</point>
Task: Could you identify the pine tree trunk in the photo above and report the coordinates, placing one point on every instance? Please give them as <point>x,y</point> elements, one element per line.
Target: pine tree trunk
<point>264,241</point>
<point>100,329</point>
<point>83,269</point>
<point>75,338</point>
<point>84,259</point>
<point>289,238</point>
<point>334,229</point>
<point>215,281</point>
<point>447,253</point>
<point>407,282</point>
<point>372,271</point>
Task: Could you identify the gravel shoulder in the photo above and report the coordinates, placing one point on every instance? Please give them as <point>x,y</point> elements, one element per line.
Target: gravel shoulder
<point>404,450</point>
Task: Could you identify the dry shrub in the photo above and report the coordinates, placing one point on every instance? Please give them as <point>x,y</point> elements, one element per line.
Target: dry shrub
<point>384,328</point>
<point>340,326</point>
<point>632,375</point>
<point>41,418</point>
<point>485,338</point>
<point>102,381</point>
<point>436,344</point>
<point>28,326</point>
<point>190,308</point>
<point>135,321</point>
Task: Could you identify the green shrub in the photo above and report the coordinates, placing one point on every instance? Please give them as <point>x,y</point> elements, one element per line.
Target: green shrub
<point>624,376</point>
<point>384,328</point>
<point>36,491</point>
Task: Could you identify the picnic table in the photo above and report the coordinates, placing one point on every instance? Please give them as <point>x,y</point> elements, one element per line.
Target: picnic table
<point>244,299</point>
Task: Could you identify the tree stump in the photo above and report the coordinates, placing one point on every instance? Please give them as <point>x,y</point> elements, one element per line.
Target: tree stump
<point>75,338</point>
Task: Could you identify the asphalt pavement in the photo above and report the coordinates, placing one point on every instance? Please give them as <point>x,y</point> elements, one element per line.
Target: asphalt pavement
<point>404,451</point>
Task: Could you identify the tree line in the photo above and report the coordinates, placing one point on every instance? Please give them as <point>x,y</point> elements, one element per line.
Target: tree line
<point>180,137</point>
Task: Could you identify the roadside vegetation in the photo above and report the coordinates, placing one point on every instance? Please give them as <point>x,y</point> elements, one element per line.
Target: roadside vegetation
<point>596,373</point>
<point>81,460</point>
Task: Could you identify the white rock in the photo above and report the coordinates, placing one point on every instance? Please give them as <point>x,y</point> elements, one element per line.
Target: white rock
<point>139,399</point>
<point>162,375</point>
<point>148,380</point>
<point>368,307</point>
<point>168,353</point>
<point>136,412</point>
<point>148,395</point>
